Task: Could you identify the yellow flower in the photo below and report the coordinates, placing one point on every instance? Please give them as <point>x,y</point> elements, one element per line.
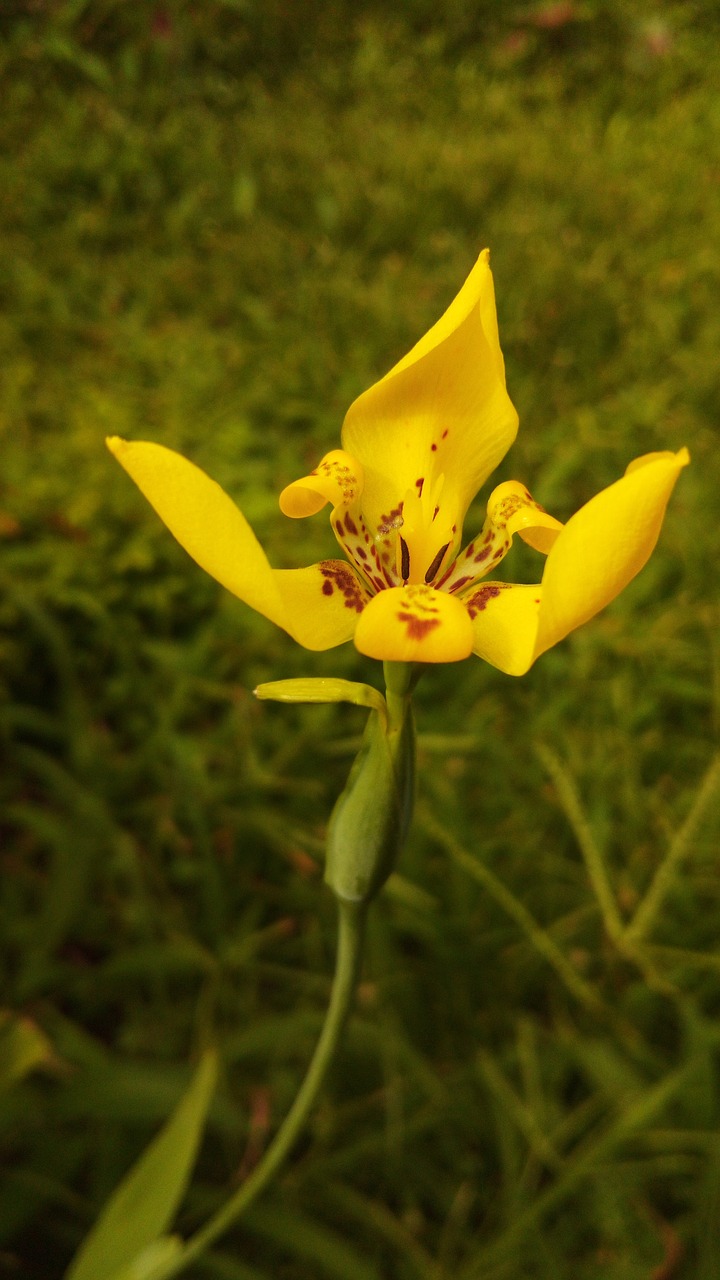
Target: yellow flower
<point>416,447</point>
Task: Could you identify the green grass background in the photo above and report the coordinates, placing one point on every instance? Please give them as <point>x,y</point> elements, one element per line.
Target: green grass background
<point>218,223</point>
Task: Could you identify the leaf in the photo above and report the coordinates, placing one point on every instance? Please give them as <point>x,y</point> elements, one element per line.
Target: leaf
<point>323,689</point>
<point>144,1204</point>
<point>145,1265</point>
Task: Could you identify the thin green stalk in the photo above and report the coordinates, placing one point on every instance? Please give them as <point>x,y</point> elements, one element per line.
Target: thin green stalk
<point>351,932</point>
<point>646,914</point>
<point>570,801</point>
<point>538,936</point>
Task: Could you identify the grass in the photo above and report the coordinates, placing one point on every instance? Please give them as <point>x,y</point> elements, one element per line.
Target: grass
<point>220,223</point>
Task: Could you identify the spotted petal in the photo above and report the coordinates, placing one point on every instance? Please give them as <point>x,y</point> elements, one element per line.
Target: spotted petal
<point>443,410</point>
<point>599,551</point>
<point>510,510</point>
<point>318,606</point>
<point>414,623</point>
<point>336,479</point>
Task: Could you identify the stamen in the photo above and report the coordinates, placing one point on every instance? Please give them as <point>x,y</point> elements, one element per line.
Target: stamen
<point>404,560</point>
<point>435,564</point>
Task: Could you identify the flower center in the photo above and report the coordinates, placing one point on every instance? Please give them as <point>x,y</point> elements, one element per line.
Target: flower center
<point>426,533</point>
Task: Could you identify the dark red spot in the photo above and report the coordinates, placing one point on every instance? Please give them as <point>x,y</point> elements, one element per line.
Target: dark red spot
<point>482,555</point>
<point>361,552</point>
<point>461,582</point>
<point>418,628</point>
<point>337,574</point>
<point>488,536</point>
<point>433,448</point>
<point>419,485</point>
<point>445,433</point>
<point>339,528</point>
<point>478,601</point>
<point>350,525</point>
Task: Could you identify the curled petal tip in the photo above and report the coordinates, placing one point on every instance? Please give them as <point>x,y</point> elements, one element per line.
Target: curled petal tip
<point>337,479</point>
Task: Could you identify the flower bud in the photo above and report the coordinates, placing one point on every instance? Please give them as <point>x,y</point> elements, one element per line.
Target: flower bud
<point>371,818</point>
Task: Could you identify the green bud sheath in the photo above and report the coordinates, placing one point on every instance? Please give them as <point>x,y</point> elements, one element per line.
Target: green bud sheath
<point>371,818</point>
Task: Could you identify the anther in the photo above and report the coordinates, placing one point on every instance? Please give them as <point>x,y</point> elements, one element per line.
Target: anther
<point>435,564</point>
<point>404,560</point>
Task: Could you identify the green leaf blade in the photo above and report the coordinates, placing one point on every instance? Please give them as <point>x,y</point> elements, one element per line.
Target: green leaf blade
<point>145,1202</point>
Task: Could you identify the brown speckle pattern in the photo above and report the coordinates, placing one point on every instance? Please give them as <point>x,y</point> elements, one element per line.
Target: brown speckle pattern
<point>479,600</point>
<point>342,474</point>
<point>339,577</point>
<point>418,612</point>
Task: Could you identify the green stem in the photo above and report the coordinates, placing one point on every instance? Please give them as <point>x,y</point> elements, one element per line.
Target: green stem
<point>351,930</point>
<point>400,679</point>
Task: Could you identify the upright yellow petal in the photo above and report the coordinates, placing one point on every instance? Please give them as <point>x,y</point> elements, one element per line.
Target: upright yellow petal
<point>477,291</point>
<point>441,411</point>
<point>318,606</point>
<point>414,623</point>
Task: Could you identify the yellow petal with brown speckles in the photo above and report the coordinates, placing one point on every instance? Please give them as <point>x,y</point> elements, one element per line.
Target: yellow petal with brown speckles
<point>337,479</point>
<point>414,623</point>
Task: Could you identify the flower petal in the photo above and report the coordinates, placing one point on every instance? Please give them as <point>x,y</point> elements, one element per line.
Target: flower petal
<point>510,510</point>
<point>336,479</point>
<point>505,623</point>
<point>512,507</point>
<point>604,545</point>
<point>414,623</point>
<point>322,602</point>
<point>318,605</point>
<point>599,551</point>
<point>442,410</point>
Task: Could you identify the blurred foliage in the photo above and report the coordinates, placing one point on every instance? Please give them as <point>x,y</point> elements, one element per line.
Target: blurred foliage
<point>220,222</point>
